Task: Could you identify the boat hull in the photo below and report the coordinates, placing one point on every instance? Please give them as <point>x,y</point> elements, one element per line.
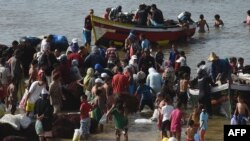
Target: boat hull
<point>238,87</point>
<point>106,30</point>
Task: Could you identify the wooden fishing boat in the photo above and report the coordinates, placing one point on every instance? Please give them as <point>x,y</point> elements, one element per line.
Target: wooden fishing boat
<point>106,30</point>
<point>235,86</point>
<point>224,92</point>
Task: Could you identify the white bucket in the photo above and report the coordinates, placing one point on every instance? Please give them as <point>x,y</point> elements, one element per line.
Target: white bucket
<point>77,135</point>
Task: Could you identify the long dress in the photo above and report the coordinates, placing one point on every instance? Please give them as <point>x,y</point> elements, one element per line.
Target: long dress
<point>204,93</point>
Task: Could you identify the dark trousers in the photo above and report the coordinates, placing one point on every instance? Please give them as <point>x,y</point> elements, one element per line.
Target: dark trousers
<point>146,102</point>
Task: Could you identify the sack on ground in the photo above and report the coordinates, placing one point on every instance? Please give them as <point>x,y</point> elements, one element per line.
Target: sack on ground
<point>13,120</point>
<point>234,120</point>
<point>24,121</point>
<point>155,115</point>
<point>103,119</point>
<point>39,127</point>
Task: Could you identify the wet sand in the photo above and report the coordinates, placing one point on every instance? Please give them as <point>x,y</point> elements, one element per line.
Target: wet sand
<point>150,132</point>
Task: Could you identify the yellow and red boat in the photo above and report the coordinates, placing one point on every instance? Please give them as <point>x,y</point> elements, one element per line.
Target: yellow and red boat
<point>106,30</point>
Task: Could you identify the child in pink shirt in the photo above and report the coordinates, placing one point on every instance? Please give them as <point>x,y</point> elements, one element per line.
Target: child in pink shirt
<point>175,119</point>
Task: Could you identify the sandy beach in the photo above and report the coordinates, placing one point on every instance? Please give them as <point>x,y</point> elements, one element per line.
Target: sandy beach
<point>150,132</point>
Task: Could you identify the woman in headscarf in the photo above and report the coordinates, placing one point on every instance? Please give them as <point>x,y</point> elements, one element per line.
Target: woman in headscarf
<point>74,45</point>
<point>89,82</point>
<point>74,71</point>
<point>169,79</point>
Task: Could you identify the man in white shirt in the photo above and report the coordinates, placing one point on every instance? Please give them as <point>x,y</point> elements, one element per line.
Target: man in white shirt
<point>182,59</point>
<point>34,94</point>
<point>45,44</point>
<point>166,114</point>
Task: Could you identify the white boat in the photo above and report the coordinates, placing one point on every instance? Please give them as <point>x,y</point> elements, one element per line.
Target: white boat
<point>234,86</point>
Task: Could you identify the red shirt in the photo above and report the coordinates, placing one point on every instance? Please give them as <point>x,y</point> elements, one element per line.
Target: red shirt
<point>106,16</point>
<point>120,83</point>
<point>87,23</point>
<point>85,108</point>
<point>76,56</point>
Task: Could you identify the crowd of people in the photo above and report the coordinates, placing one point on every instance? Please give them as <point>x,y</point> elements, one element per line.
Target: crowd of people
<point>145,15</point>
<point>95,78</point>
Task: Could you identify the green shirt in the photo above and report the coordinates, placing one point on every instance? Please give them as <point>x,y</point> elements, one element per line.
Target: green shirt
<point>120,120</point>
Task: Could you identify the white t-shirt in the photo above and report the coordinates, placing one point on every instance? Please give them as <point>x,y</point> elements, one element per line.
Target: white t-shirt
<point>4,75</point>
<point>44,46</point>
<point>166,112</point>
<point>182,61</point>
<point>35,91</point>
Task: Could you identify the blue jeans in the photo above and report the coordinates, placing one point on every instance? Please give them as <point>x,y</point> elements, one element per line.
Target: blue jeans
<point>86,34</point>
<point>85,126</point>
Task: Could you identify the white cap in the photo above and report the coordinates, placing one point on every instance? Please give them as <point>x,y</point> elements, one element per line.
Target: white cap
<point>104,75</point>
<point>99,80</point>
<point>74,40</point>
<point>44,91</point>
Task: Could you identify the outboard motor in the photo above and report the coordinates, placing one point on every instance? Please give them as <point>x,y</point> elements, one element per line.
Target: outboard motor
<point>126,17</point>
<point>184,17</point>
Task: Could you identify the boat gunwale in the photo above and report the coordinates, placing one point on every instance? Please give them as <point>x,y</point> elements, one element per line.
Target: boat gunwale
<point>103,21</point>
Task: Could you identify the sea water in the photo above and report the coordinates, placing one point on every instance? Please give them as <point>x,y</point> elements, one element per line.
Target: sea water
<point>66,17</point>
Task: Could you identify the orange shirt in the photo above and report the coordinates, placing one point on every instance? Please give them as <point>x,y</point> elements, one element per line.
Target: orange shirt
<point>120,83</point>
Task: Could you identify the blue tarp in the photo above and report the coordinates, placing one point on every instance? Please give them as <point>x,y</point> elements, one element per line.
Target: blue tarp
<point>59,42</point>
<point>34,41</point>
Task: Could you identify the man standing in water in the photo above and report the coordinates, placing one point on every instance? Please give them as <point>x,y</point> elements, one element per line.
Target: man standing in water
<point>87,28</point>
<point>201,24</point>
<point>247,21</point>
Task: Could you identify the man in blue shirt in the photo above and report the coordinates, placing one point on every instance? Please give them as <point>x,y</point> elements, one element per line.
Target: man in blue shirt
<point>144,42</point>
<point>145,94</point>
<point>219,67</point>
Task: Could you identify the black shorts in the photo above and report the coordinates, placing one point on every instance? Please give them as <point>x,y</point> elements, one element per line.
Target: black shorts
<point>121,131</point>
<point>183,97</point>
<point>165,125</point>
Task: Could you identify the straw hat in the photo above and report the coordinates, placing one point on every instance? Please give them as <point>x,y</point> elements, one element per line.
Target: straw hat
<point>212,56</point>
